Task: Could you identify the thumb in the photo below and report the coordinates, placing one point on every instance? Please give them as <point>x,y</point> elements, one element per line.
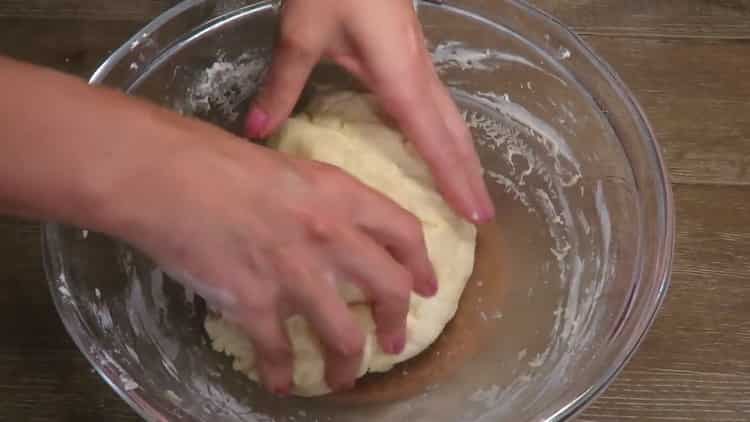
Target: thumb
<point>291,66</point>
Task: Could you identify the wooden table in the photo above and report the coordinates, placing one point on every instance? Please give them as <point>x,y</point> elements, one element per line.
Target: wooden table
<point>688,62</point>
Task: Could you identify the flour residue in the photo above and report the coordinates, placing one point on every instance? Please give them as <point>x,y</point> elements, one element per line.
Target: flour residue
<point>563,53</point>
<point>146,313</point>
<point>453,54</point>
<point>64,291</point>
<point>456,55</point>
<point>224,85</point>
<point>532,149</point>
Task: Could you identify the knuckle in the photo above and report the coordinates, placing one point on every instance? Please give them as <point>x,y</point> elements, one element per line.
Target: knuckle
<point>404,101</point>
<point>330,174</point>
<point>281,259</point>
<point>296,41</point>
<point>350,346</point>
<point>454,161</point>
<point>335,185</point>
<point>397,292</point>
<point>412,88</point>
<point>411,228</point>
<point>306,216</point>
<point>259,305</point>
<point>326,177</point>
<point>278,352</point>
<point>322,227</point>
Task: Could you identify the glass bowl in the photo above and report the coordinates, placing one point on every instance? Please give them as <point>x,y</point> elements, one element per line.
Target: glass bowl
<point>567,280</point>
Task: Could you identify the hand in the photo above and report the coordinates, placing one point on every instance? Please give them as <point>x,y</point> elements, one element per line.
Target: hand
<point>259,234</point>
<point>263,236</point>
<point>381,43</point>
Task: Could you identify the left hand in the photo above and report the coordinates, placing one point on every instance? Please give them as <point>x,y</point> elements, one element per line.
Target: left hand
<point>382,44</point>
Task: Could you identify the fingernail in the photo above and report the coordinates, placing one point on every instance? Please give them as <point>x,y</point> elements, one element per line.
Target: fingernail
<point>256,123</point>
<point>482,216</point>
<point>346,386</point>
<point>398,344</point>
<point>281,391</point>
<point>487,208</point>
<point>433,287</point>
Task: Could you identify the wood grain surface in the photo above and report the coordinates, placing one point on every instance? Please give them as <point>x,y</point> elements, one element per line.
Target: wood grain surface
<point>688,62</point>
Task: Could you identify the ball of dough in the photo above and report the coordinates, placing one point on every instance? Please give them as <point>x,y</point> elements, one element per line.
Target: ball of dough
<point>344,129</point>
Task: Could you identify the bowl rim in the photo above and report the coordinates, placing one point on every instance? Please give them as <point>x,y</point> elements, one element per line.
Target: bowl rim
<point>662,271</point>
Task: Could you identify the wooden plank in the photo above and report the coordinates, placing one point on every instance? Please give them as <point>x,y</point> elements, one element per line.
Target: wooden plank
<point>55,386</point>
<point>640,18</point>
<point>134,10</point>
<point>71,45</point>
<point>43,376</point>
<point>649,18</point>
<point>725,19</point>
<point>695,362</point>
<point>23,291</point>
<point>667,395</point>
<point>708,308</point>
<point>699,112</point>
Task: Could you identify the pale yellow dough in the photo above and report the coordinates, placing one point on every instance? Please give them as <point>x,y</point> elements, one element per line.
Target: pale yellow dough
<point>344,129</point>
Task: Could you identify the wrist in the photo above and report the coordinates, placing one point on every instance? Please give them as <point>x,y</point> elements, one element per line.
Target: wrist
<point>150,196</point>
<point>115,192</point>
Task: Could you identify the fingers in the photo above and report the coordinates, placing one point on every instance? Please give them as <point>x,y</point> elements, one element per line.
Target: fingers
<point>274,353</point>
<point>387,283</point>
<point>421,121</point>
<point>284,83</point>
<point>409,99</point>
<point>395,229</point>
<point>464,143</point>
<point>299,48</point>
<point>404,80</point>
<point>401,234</point>
<point>275,357</point>
<point>330,318</point>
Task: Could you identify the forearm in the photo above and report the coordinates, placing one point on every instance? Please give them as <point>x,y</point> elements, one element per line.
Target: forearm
<point>67,148</point>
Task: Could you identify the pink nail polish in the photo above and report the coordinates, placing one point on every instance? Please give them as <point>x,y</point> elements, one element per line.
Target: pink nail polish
<point>433,289</point>
<point>399,344</point>
<point>489,212</point>
<point>256,124</point>
<point>343,386</point>
<point>281,391</point>
<point>483,216</point>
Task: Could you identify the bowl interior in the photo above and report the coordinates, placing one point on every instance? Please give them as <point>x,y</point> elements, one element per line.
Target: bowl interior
<point>566,279</point>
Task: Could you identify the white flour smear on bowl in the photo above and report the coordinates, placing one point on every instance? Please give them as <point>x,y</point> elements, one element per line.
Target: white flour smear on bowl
<point>574,314</point>
<point>226,84</point>
<point>454,54</point>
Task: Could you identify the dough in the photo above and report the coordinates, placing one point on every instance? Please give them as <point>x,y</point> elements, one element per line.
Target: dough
<point>344,129</point>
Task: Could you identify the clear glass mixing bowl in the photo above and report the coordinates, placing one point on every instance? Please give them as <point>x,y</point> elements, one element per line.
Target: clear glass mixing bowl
<point>567,281</point>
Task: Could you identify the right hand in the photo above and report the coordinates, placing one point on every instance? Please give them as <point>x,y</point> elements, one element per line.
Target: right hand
<point>263,236</point>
